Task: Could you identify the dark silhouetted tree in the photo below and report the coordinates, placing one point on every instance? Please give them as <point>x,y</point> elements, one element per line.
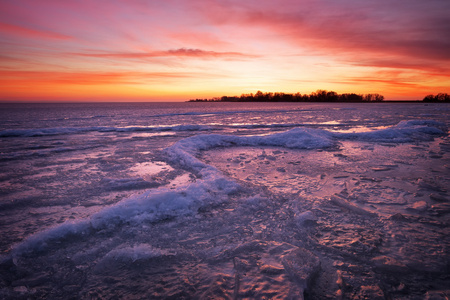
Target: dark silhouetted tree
<point>317,96</point>
<point>441,97</point>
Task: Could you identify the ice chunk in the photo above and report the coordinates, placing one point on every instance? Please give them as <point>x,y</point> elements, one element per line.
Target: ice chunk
<point>388,264</point>
<point>302,266</point>
<point>32,280</point>
<point>21,289</point>
<point>305,218</point>
<point>439,198</point>
<point>441,208</point>
<point>420,206</point>
<point>382,168</point>
<point>339,201</point>
<point>437,295</point>
<point>256,200</point>
<point>370,292</point>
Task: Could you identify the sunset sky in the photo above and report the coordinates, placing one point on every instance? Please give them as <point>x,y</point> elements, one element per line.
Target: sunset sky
<point>136,50</point>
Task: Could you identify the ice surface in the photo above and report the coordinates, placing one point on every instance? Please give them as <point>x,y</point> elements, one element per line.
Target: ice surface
<point>318,202</point>
<point>232,112</point>
<point>138,252</point>
<point>78,130</point>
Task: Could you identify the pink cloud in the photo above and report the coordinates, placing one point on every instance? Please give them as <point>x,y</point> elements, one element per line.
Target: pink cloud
<point>199,38</point>
<point>15,30</point>
<point>432,67</point>
<point>403,29</point>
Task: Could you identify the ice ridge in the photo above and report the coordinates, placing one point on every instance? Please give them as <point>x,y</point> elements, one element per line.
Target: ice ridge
<point>403,132</point>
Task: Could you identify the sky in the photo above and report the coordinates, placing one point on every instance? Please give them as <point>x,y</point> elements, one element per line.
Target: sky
<point>136,50</point>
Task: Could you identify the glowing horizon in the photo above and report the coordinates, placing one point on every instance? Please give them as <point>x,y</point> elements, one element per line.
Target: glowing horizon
<point>177,50</point>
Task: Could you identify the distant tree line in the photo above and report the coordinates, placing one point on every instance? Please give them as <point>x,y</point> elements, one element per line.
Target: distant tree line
<point>318,96</point>
<point>441,97</point>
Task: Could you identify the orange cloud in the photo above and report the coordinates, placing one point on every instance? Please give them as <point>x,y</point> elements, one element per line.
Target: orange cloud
<point>103,86</point>
<point>91,78</point>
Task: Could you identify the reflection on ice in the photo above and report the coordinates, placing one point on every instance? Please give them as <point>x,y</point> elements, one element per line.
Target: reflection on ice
<point>150,134</point>
<point>148,169</point>
<point>181,180</point>
<point>357,129</point>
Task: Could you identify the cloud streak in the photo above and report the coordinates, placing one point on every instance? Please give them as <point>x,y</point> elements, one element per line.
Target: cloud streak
<point>182,52</point>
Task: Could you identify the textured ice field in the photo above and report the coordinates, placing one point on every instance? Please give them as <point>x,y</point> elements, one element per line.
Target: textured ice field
<point>234,201</point>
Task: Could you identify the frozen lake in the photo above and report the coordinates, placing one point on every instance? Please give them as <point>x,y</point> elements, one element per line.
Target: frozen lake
<point>225,200</point>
